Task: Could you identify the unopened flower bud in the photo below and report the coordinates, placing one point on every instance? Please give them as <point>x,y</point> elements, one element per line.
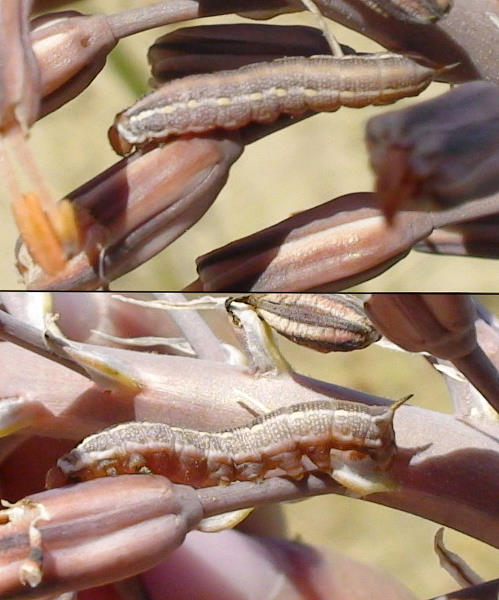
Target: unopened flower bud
<point>92,533</point>
<point>314,249</point>
<point>71,50</point>
<point>208,48</point>
<point>131,211</point>
<point>441,151</point>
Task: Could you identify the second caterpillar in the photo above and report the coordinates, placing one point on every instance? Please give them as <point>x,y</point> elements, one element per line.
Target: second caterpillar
<point>261,92</point>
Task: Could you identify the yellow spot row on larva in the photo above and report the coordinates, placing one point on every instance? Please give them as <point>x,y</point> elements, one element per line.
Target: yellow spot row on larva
<point>261,92</point>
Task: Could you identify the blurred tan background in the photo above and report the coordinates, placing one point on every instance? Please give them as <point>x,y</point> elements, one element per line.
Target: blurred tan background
<point>305,165</point>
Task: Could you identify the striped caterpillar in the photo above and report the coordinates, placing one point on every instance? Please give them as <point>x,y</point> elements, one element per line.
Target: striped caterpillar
<point>261,92</point>
<point>292,441</point>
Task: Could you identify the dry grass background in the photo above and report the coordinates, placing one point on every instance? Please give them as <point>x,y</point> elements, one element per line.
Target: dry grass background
<point>305,165</point>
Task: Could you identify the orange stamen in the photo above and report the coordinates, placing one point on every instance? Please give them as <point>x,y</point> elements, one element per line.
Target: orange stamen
<point>39,234</point>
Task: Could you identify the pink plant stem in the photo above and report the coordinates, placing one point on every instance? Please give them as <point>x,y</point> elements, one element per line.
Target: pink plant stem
<point>30,338</point>
<point>135,20</point>
<point>195,329</point>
